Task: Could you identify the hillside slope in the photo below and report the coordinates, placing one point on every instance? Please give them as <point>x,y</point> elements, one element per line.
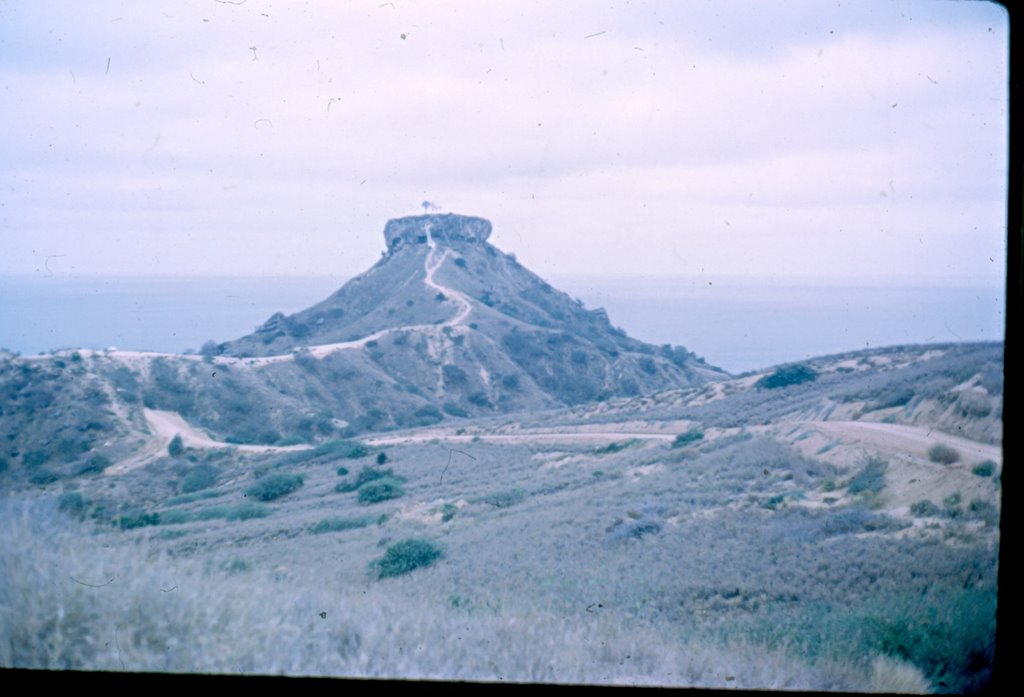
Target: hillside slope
<point>443,328</point>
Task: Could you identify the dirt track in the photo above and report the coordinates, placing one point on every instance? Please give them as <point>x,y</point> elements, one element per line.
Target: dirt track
<point>909,439</point>
<point>165,425</point>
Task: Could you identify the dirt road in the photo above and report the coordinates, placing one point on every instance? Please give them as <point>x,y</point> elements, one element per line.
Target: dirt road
<point>165,425</point>
<point>912,440</point>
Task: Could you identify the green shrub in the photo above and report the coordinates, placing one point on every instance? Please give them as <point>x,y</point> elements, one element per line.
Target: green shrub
<point>342,471</point>
<point>339,524</point>
<point>448,512</point>
<point>72,503</point>
<point>367,474</point>
<point>138,520</point>
<point>453,409</point>
<point>984,469</point>
<point>611,448</point>
<point>786,376</point>
<point>871,478</point>
<point>426,416</point>
<point>952,639</point>
<point>175,448</point>
<point>341,448</point>
<point>70,449</point>
<point>95,464</point>
<point>943,454</point>
<point>199,477</point>
<point>405,556</point>
<point>984,510</point>
<point>479,399</point>
<point>34,458</point>
<point>380,490</point>
<point>952,501</point>
<point>454,375</point>
<point>691,436</point>
<point>274,486</point>
<point>43,476</point>
<point>382,458</point>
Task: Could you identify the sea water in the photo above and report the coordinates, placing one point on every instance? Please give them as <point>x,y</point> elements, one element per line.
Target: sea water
<point>737,324</point>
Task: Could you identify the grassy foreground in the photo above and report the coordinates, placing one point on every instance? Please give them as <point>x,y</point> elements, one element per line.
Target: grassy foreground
<point>68,600</point>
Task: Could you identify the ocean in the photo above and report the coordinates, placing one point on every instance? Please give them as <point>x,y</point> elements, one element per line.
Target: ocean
<point>736,324</point>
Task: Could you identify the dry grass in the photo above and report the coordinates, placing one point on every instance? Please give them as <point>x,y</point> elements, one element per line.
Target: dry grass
<point>72,600</point>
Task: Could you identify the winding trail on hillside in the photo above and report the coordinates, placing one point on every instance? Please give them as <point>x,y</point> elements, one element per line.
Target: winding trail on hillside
<point>431,263</point>
<point>165,425</point>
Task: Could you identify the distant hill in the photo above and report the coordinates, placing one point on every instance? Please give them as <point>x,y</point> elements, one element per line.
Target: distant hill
<point>468,326</point>
<point>443,328</point>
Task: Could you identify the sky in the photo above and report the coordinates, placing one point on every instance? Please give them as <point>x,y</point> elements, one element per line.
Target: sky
<point>852,141</point>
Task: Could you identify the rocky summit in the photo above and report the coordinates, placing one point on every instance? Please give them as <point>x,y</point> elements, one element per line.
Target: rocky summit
<point>448,322</point>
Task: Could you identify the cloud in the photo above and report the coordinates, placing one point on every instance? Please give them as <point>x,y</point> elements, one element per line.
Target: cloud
<point>240,127</point>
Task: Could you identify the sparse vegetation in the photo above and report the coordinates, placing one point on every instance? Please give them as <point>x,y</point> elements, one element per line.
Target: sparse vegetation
<point>504,498</point>
<point>336,524</point>
<point>716,566</point>
<point>925,509</point>
<point>870,478</point>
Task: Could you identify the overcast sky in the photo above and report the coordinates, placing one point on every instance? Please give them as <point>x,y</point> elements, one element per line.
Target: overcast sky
<point>696,139</point>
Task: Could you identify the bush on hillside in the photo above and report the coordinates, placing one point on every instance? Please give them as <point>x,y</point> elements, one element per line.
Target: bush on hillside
<point>199,477</point>
<point>274,486</point>
<point>339,525</point>
<point>175,448</point>
<point>95,464</point>
<point>984,469</point>
<point>380,490</point>
<point>691,436</point>
<point>871,477</point>
<point>405,556</point>
<point>943,454</point>
<point>786,376</point>
<point>367,474</point>
<point>924,509</point>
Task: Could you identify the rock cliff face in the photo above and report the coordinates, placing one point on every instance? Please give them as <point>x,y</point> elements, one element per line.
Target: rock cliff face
<point>447,227</point>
